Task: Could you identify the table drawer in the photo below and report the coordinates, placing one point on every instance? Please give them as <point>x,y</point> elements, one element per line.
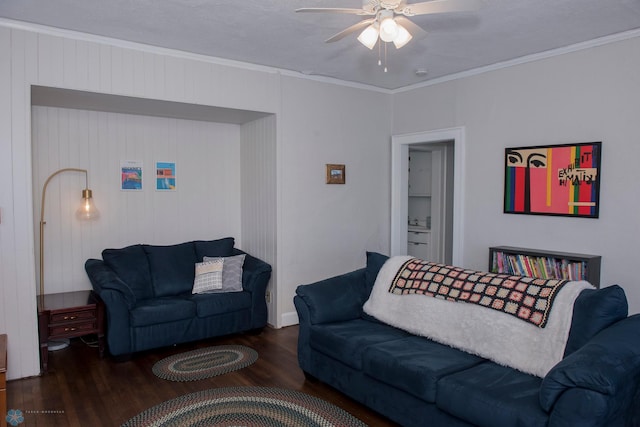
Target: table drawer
<point>69,330</point>
<point>72,315</point>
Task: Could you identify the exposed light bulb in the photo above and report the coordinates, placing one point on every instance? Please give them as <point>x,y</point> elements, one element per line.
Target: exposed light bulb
<point>369,36</point>
<point>402,38</point>
<point>87,209</point>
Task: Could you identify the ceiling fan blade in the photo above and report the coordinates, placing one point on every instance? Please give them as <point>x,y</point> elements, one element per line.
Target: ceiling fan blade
<point>438,6</point>
<point>334,10</point>
<point>352,29</point>
<point>412,27</point>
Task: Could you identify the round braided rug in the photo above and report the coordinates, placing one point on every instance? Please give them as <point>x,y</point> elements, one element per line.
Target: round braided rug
<point>245,406</point>
<point>204,363</point>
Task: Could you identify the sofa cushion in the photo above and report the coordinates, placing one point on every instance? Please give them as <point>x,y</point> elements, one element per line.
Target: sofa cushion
<point>347,341</point>
<point>214,248</point>
<point>211,304</point>
<point>415,364</point>
<point>162,310</point>
<point>593,311</point>
<point>231,273</point>
<point>208,276</point>
<point>172,268</point>
<point>132,267</point>
<point>492,395</point>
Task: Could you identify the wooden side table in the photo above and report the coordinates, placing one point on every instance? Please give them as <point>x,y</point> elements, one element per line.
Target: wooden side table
<point>69,315</point>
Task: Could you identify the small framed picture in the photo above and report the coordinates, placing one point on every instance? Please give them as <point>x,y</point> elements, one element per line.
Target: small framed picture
<point>335,174</point>
<point>166,176</point>
<point>131,175</point>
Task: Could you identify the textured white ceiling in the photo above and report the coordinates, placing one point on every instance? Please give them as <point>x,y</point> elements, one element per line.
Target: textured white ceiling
<point>269,32</point>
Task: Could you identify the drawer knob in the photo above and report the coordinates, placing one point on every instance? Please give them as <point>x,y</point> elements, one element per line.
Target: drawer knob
<point>69,329</point>
<point>70,317</point>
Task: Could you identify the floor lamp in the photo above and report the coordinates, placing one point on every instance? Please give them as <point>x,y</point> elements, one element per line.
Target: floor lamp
<point>86,211</point>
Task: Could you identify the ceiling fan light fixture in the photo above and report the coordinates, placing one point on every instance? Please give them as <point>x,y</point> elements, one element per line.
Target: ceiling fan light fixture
<point>402,38</point>
<point>369,37</point>
<point>388,26</point>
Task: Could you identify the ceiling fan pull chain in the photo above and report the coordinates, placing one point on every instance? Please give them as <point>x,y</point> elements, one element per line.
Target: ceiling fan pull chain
<point>385,57</point>
<point>379,52</point>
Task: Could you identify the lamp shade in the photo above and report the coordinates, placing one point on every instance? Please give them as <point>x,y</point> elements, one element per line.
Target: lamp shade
<point>388,29</point>
<point>369,37</point>
<point>87,210</point>
<point>402,38</point>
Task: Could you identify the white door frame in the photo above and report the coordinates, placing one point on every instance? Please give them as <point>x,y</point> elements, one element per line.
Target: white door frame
<point>437,243</point>
<point>400,183</point>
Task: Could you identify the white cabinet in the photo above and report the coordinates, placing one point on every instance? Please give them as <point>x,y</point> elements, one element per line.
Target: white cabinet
<point>419,208</point>
<point>419,243</point>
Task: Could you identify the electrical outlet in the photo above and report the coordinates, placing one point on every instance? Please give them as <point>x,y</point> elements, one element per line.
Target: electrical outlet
<point>267,296</point>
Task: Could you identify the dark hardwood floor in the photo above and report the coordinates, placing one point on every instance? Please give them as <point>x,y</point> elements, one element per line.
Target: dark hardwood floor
<point>83,390</point>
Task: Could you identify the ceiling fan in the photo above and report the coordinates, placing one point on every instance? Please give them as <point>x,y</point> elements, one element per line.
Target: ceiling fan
<point>389,20</point>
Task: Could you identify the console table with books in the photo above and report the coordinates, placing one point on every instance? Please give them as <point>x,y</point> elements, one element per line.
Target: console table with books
<point>545,264</point>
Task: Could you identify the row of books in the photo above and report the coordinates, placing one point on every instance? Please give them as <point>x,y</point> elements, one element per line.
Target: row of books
<point>542,267</point>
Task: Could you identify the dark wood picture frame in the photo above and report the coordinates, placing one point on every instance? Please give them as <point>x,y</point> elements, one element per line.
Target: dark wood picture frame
<point>335,174</point>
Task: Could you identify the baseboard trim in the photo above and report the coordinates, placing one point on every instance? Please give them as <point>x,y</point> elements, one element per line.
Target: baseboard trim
<point>290,319</point>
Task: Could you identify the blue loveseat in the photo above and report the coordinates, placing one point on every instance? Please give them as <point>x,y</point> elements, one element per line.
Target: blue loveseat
<point>417,382</point>
<point>147,292</point>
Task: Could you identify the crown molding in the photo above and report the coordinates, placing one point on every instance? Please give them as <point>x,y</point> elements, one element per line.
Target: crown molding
<point>176,53</point>
<point>613,38</point>
<point>77,35</point>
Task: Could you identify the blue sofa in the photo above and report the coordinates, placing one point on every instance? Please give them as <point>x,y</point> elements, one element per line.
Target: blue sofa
<point>147,292</point>
<point>417,382</point>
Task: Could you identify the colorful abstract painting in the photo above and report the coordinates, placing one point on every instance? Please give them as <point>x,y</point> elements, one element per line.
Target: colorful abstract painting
<point>553,180</point>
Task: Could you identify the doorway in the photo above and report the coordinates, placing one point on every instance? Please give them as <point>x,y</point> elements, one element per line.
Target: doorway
<point>430,201</point>
<point>446,148</point>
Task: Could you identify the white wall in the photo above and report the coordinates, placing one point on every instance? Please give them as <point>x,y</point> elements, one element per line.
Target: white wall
<point>321,230</point>
<point>205,205</point>
<point>326,229</point>
<point>587,95</point>
<point>259,192</point>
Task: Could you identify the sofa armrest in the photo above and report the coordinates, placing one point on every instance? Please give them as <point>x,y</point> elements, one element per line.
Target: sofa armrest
<point>104,278</point>
<point>255,273</point>
<point>335,299</point>
<point>255,279</point>
<point>118,324</point>
<point>607,368</point>
<point>118,299</point>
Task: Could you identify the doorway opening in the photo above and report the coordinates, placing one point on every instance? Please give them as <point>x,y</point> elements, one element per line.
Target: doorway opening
<point>437,195</point>
<point>430,201</point>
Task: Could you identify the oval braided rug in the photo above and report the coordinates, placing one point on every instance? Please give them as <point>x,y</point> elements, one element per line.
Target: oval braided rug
<point>204,362</point>
<point>245,406</point>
